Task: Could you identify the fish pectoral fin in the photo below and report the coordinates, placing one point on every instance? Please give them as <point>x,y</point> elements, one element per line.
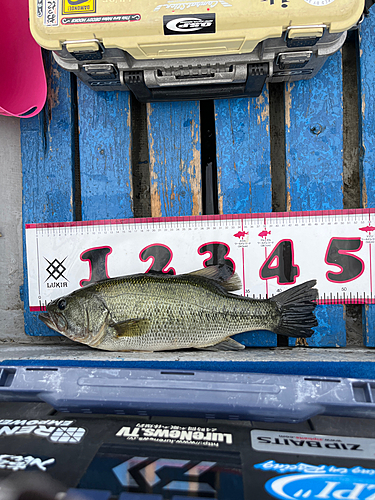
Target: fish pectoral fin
<point>131,327</point>
<point>226,345</point>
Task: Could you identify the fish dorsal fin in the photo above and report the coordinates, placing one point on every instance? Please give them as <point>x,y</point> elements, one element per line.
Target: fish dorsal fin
<point>131,327</point>
<point>222,274</point>
<point>226,345</point>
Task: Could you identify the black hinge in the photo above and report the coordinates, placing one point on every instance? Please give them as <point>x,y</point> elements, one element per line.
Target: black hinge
<point>136,83</point>
<point>256,77</point>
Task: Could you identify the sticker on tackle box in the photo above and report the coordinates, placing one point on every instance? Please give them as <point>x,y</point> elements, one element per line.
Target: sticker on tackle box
<point>329,482</point>
<point>51,12</point>
<point>78,6</point>
<point>312,444</point>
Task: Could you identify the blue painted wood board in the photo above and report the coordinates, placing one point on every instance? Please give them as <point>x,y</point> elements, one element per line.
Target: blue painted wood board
<point>314,166</point>
<point>47,165</point>
<point>367,134</point>
<point>244,168</point>
<point>175,165</point>
<point>105,154</point>
<point>243,155</point>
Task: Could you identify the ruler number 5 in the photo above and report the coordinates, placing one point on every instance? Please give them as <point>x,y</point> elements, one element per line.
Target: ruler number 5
<point>339,254</point>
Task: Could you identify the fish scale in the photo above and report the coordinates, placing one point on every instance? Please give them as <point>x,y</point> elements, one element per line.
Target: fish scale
<point>151,312</point>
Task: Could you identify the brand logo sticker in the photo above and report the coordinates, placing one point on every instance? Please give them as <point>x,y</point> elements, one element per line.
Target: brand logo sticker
<point>56,431</point>
<point>330,487</point>
<point>319,481</point>
<point>175,434</point>
<point>19,462</point>
<point>186,25</point>
<point>101,19</point>
<point>79,6</point>
<point>51,12</point>
<point>312,444</point>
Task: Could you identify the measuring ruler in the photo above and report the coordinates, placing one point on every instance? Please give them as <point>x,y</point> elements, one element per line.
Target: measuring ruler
<point>270,252</point>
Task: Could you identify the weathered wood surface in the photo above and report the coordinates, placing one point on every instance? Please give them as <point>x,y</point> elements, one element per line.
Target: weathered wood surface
<point>244,168</point>
<point>47,162</point>
<point>314,165</point>
<point>105,154</point>
<point>96,140</point>
<point>367,138</point>
<point>175,167</point>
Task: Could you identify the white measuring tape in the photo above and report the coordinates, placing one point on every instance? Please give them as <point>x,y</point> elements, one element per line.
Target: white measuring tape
<point>270,252</point>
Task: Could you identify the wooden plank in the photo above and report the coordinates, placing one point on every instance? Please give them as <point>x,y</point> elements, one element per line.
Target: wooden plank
<point>105,154</point>
<point>47,163</point>
<point>244,168</point>
<point>175,167</point>
<point>314,162</point>
<point>367,134</point>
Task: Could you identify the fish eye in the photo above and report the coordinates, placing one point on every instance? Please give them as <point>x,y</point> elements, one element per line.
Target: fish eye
<point>61,304</point>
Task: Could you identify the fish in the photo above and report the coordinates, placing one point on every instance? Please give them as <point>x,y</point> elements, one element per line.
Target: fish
<point>241,234</point>
<point>157,312</point>
<point>368,229</point>
<point>264,233</point>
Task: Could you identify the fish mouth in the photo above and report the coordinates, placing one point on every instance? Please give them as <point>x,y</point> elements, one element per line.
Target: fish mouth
<point>48,320</point>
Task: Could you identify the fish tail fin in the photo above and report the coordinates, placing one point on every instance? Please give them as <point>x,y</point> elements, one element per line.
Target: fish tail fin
<point>296,307</point>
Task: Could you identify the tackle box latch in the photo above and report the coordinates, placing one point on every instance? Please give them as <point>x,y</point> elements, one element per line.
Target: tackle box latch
<point>256,76</point>
<point>85,50</point>
<point>103,71</point>
<point>304,36</point>
<point>293,60</point>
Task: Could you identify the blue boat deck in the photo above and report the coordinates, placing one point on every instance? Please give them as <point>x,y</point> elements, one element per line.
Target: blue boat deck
<point>307,145</point>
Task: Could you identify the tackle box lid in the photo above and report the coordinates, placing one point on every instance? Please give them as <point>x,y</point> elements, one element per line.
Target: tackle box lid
<point>133,434</point>
<point>193,393</point>
<point>159,29</point>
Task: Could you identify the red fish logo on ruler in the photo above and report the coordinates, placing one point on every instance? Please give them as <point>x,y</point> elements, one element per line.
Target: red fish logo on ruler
<point>270,252</point>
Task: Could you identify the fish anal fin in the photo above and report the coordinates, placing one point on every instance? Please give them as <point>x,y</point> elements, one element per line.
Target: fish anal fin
<point>131,327</point>
<point>226,345</point>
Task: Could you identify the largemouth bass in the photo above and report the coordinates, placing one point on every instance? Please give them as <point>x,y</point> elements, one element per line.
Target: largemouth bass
<point>154,312</point>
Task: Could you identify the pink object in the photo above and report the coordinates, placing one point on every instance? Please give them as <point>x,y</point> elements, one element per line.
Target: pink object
<point>23,86</point>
